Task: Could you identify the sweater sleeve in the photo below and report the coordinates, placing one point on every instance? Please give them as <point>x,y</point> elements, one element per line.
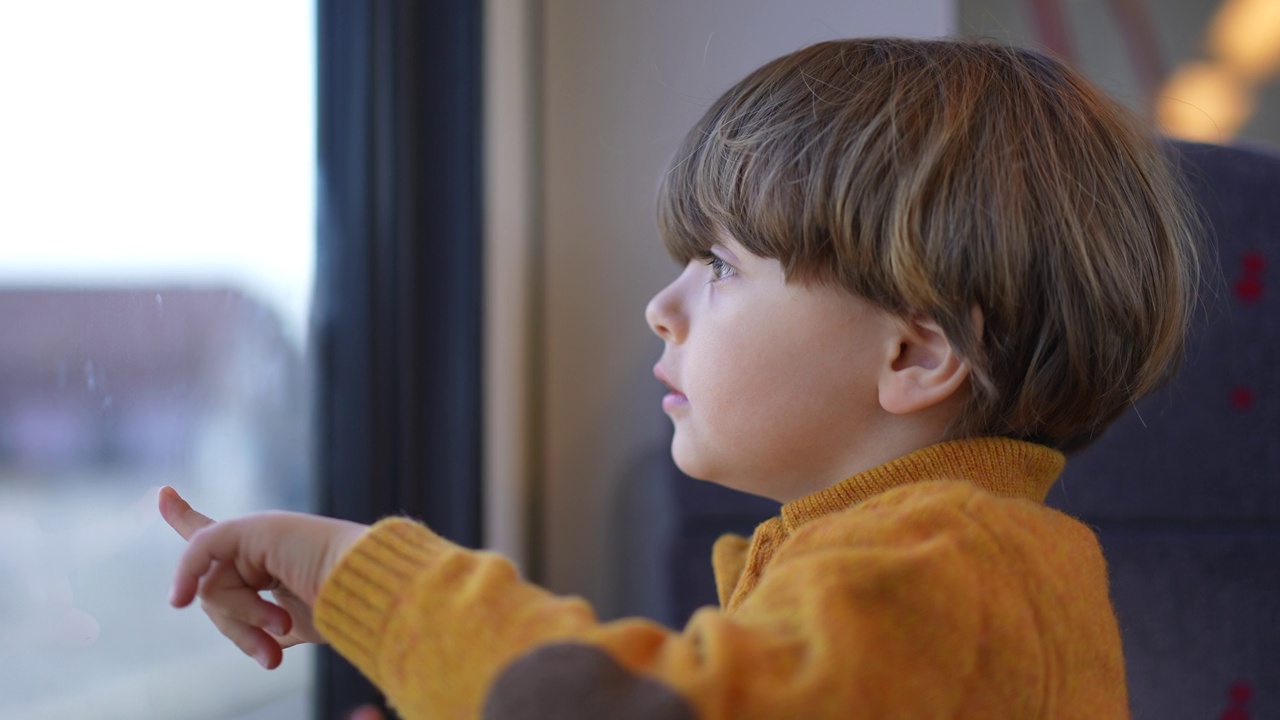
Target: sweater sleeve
<point>835,629</point>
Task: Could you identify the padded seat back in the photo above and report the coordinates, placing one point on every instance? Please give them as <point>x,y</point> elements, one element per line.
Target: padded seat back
<point>1185,489</point>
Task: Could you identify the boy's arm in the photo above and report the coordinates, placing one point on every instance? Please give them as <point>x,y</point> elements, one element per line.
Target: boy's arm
<point>839,632</point>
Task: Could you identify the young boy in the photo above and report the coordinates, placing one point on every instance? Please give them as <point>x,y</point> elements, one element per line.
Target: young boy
<point>915,272</point>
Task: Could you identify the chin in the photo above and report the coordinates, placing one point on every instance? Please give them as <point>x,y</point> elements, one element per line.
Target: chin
<point>702,468</point>
<point>692,469</point>
<point>692,463</point>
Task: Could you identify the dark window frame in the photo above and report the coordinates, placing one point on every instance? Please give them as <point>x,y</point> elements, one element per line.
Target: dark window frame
<point>397,313</point>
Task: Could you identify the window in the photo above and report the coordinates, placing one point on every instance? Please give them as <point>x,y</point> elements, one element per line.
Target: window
<point>156,269</point>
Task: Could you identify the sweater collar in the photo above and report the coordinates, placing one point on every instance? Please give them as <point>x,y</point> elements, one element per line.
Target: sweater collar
<point>1001,466</point>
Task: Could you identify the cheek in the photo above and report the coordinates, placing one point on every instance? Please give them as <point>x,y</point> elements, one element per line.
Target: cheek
<point>752,387</point>
<point>763,393</point>
<point>732,367</point>
<point>733,386</point>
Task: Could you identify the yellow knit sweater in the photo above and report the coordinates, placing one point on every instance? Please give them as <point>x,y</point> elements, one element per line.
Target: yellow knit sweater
<point>935,586</point>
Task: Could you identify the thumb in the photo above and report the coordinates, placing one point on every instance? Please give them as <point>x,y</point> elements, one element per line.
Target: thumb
<point>179,514</point>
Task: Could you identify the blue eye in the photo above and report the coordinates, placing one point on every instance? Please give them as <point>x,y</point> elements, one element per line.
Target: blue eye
<point>719,268</point>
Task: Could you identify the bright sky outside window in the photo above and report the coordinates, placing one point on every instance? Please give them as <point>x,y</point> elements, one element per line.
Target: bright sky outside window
<point>151,140</point>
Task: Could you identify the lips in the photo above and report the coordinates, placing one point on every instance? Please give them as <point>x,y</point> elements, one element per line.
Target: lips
<point>674,399</point>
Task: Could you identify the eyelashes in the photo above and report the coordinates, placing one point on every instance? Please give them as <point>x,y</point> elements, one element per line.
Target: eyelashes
<point>719,268</point>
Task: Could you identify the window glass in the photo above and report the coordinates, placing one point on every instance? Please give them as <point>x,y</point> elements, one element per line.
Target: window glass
<point>156,263</point>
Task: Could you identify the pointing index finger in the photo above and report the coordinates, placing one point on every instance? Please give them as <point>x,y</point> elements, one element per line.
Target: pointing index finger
<point>179,514</point>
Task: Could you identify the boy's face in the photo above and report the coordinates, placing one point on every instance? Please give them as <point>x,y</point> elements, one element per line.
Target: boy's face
<point>774,385</point>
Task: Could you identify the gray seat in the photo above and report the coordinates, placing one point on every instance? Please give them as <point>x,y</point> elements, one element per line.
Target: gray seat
<point>1185,489</point>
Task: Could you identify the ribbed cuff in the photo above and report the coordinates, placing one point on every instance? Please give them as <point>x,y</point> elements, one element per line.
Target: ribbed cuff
<point>360,594</point>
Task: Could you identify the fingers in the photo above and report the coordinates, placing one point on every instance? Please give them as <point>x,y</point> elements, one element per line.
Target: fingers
<point>242,615</point>
<point>179,514</point>
<point>223,593</point>
<point>194,563</point>
<point>218,541</point>
<point>303,629</point>
<point>252,641</point>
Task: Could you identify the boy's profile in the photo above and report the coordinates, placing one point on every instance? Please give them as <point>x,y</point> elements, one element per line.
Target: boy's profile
<point>914,274</point>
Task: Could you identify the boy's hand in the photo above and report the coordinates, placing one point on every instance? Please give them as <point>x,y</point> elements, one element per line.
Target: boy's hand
<point>227,564</point>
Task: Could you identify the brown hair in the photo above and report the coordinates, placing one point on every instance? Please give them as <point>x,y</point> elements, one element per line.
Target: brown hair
<point>930,177</point>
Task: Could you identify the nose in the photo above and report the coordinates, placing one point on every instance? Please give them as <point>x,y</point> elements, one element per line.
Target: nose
<point>665,315</point>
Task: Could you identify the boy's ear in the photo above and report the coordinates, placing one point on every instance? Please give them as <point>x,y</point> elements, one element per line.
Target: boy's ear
<point>924,369</point>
